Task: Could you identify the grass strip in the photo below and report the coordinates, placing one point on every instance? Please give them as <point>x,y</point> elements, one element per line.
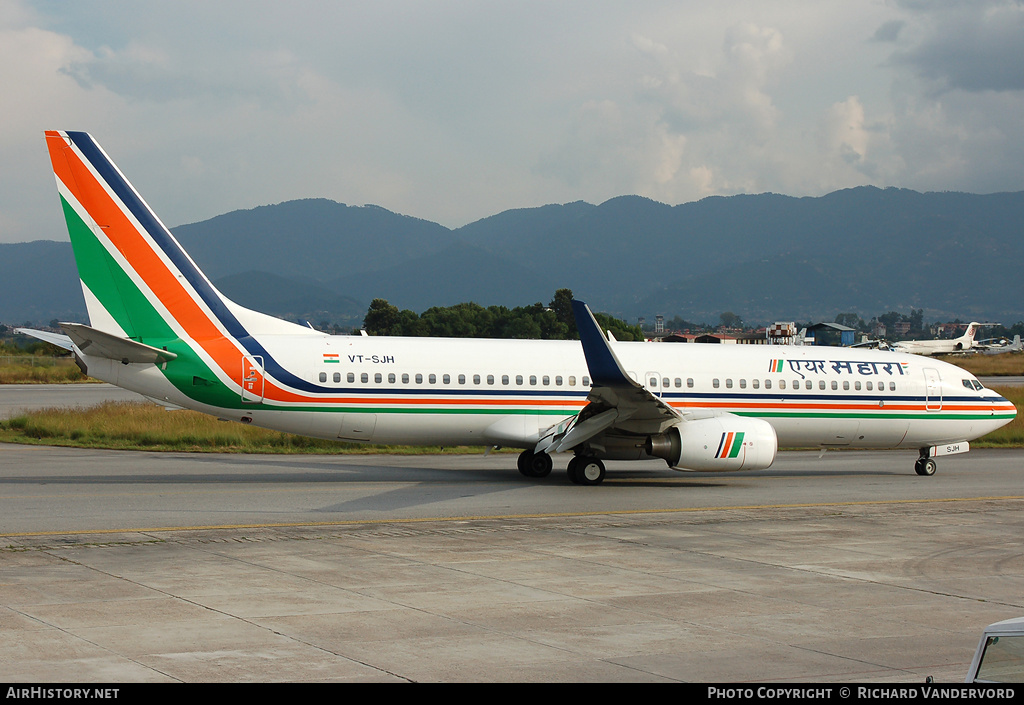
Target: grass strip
<point>143,426</point>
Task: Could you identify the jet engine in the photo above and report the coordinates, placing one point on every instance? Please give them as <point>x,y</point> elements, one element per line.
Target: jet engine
<point>724,442</point>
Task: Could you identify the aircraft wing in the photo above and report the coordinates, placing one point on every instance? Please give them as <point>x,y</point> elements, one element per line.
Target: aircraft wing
<point>615,402</point>
<point>58,339</point>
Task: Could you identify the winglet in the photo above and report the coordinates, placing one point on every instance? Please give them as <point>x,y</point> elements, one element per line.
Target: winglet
<point>605,368</point>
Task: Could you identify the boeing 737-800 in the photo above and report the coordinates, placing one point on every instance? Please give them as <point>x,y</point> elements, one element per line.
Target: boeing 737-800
<point>158,326</point>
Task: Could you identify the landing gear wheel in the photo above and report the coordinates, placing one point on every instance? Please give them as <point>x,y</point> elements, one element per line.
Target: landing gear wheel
<point>589,471</point>
<point>925,466</point>
<point>534,464</point>
<point>571,470</point>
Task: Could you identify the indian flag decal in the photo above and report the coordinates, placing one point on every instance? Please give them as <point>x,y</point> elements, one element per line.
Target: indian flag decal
<point>729,446</point>
<point>775,366</point>
<point>332,357</point>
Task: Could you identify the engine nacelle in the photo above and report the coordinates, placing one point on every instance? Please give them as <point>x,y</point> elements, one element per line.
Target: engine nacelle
<point>724,442</point>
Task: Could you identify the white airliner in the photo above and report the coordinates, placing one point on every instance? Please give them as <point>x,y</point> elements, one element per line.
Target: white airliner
<point>940,347</point>
<point>157,326</point>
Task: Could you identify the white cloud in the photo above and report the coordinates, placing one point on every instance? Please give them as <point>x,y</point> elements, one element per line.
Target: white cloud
<point>456,110</point>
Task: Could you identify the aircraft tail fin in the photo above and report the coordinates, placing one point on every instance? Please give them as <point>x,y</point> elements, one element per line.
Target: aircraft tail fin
<point>137,280</point>
<point>972,330</point>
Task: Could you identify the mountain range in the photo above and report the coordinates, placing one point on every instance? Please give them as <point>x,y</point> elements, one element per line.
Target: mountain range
<point>765,257</point>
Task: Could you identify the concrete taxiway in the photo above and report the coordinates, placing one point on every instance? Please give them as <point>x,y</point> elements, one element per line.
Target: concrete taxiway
<point>124,566</point>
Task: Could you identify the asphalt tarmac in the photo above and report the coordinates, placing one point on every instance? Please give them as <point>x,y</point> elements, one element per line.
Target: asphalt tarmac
<point>131,567</point>
<point>163,567</point>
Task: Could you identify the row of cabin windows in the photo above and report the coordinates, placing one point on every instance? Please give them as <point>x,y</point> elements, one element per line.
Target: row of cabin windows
<point>666,383</point>
<point>506,380</point>
<point>857,385</point>
<point>559,381</point>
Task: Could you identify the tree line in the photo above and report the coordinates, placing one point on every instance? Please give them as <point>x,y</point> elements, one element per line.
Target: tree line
<point>470,320</point>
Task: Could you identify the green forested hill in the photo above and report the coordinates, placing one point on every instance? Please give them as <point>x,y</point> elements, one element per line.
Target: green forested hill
<point>765,257</point>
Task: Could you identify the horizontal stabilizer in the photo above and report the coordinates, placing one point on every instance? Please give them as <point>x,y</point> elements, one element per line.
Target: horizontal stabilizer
<point>95,342</point>
<point>58,339</point>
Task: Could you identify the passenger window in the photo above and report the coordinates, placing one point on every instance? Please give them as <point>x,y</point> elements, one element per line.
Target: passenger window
<point>558,380</point>
<point>586,381</point>
<point>767,384</point>
<point>678,382</point>
<point>715,383</point>
<point>323,376</point>
<point>756,383</point>
<point>856,385</point>
<point>821,384</point>
<point>572,381</point>
<point>835,385</point>
<point>337,377</point>
<point>892,386</point>
<point>446,379</point>
<point>808,384</point>
<point>782,384</point>
<point>351,376</point>
<point>432,378</point>
<point>378,378</point>
<point>364,378</point>
<point>689,382</point>
<point>545,380</point>
<point>743,384</point>
<point>869,386</point>
<point>533,380</point>
<point>476,379</point>
<point>405,378</point>
<point>519,380</point>
<point>846,386</point>
<point>419,378</point>
<point>728,384</point>
<point>504,379</point>
<point>462,379</point>
<point>490,379</point>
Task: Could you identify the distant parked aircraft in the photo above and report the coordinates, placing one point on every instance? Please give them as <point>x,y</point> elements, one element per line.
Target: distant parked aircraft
<point>1005,347</point>
<point>940,347</point>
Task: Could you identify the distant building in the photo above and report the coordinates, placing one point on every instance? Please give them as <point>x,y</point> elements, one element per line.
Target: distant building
<point>832,334</point>
<point>715,338</point>
<point>782,333</point>
<point>758,337</point>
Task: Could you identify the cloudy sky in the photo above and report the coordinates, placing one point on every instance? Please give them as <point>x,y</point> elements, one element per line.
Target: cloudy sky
<point>456,110</point>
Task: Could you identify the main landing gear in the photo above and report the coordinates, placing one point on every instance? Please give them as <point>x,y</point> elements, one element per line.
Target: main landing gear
<point>534,464</point>
<point>585,470</point>
<point>925,466</point>
<point>582,470</point>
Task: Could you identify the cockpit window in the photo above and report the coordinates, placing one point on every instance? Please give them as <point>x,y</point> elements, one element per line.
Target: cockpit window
<point>973,384</point>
